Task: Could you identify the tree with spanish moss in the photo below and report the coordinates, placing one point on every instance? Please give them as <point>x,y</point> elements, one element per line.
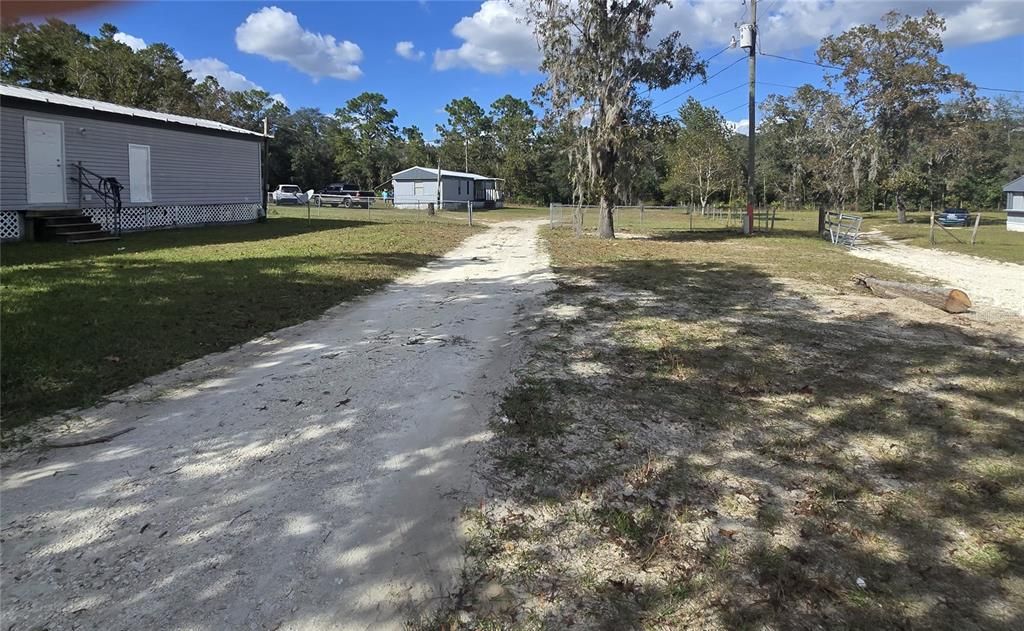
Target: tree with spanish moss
<point>894,77</point>
<point>600,63</point>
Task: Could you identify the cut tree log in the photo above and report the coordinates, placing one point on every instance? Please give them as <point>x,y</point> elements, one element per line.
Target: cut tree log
<point>948,299</point>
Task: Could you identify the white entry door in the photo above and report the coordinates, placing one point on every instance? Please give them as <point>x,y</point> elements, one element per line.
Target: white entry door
<point>44,161</point>
<point>139,183</point>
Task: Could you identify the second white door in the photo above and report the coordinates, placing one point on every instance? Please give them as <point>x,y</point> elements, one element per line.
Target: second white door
<point>139,182</point>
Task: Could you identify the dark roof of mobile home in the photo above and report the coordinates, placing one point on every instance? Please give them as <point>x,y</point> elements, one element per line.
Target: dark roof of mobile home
<point>40,96</point>
<point>1016,186</point>
<point>429,173</point>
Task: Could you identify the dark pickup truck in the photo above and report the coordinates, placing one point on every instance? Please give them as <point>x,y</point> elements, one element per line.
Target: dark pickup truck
<point>347,195</point>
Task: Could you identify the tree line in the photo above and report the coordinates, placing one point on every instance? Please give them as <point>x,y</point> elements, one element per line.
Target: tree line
<point>891,127</point>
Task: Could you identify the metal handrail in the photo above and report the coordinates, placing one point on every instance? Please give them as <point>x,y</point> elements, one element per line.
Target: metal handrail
<point>108,188</point>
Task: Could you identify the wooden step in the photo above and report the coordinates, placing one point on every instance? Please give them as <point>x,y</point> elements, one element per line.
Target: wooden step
<point>72,228</point>
<point>80,233</point>
<point>66,219</point>
<point>46,213</point>
<point>108,237</point>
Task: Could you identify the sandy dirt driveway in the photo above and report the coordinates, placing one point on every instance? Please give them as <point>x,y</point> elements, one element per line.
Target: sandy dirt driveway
<point>987,282</point>
<point>308,480</point>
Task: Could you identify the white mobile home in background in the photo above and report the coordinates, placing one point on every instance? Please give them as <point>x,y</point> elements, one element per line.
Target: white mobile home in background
<point>1014,192</point>
<point>416,187</point>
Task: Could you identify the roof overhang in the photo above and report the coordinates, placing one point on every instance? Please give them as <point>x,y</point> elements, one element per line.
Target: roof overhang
<point>52,98</point>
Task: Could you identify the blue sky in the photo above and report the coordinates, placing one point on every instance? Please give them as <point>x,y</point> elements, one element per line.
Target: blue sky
<point>319,54</point>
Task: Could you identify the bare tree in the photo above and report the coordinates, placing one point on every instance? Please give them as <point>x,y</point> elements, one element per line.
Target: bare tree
<point>597,55</point>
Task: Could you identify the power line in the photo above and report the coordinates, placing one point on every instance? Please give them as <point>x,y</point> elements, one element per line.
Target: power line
<point>796,87</point>
<point>715,96</point>
<point>650,89</point>
<point>718,53</point>
<point>802,61</point>
<point>771,6</point>
<point>1000,90</point>
<point>734,109</point>
<point>704,82</point>
<point>779,85</point>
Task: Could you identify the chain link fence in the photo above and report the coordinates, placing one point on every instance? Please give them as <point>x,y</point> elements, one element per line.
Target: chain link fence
<point>378,209</point>
<point>643,218</point>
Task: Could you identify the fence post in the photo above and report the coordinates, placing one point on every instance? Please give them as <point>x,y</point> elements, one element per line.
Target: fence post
<point>551,214</point>
<point>974,233</point>
<point>641,213</point>
<point>931,228</point>
<point>469,207</point>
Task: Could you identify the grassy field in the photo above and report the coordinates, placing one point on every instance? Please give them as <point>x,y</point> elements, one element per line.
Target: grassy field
<point>994,240</point>
<point>82,321</point>
<point>723,433</point>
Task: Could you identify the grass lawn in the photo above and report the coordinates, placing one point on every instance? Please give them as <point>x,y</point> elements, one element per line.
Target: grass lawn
<point>994,240</point>
<point>83,321</point>
<point>718,432</point>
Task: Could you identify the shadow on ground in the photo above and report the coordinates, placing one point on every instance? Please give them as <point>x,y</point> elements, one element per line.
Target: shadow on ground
<point>701,445</point>
<point>306,481</point>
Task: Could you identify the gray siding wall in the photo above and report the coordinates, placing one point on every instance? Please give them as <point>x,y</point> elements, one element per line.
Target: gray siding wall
<point>1015,220</point>
<point>187,166</point>
<point>450,186</point>
<point>405,192</point>
<point>457,189</point>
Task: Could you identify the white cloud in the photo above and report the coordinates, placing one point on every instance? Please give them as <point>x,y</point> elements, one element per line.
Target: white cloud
<point>135,43</point>
<point>226,77</point>
<point>741,126</point>
<point>408,51</point>
<point>494,40</point>
<point>277,35</point>
<point>985,21</point>
<point>794,24</point>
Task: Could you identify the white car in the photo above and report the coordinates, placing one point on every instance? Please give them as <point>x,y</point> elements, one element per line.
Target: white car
<point>289,194</point>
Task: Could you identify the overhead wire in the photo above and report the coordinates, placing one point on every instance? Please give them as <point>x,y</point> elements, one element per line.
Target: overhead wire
<point>704,82</point>
<point>1000,90</point>
<point>778,56</point>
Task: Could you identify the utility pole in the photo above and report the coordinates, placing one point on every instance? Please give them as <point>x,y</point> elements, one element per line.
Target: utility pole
<point>751,115</point>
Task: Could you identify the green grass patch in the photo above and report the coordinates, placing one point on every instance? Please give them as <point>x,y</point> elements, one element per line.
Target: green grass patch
<point>706,263</point>
<point>83,321</point>
<point>529,408</point>
<point>994,241</point>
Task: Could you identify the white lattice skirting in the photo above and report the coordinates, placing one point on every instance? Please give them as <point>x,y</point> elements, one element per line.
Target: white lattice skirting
<point>10,226</point>
<point>163,217</point>
<point>148,218</point>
